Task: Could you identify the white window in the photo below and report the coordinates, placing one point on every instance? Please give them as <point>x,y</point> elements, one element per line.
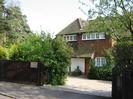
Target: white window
<point>102,36</point>
<point>93,36</point>
<point>100,61</point>
<point>70,38</point>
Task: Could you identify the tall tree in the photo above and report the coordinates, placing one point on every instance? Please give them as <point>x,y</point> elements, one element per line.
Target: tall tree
<point>17,22</point>
<point>118,14</point>
<point>4,27</point>
<point>13,24</point>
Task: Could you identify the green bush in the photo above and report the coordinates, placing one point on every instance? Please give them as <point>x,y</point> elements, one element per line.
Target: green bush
<point>104,72</point>
<point>12,51</point>
<point>59,61</point>
<point>54,53</point>
<point>76,72</point>
<point>29,50</point>
<point>100,73</point>
<point>3,53</point>
<point>124,56</point>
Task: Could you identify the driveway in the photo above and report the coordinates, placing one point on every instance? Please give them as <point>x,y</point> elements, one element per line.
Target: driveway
<point>22,91</point>
<point>93,87</point>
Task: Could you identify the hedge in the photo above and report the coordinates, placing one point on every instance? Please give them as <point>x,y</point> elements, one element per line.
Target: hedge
<point>124,55</point>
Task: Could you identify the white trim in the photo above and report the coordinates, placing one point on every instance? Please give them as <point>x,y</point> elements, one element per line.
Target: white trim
<point>93,36</point>
<point>70,37</point>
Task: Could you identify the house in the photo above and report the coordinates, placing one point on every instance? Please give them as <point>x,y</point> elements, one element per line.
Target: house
<point>87,46</point>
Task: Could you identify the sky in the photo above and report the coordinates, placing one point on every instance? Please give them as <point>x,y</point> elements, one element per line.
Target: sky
<point>51,15</point>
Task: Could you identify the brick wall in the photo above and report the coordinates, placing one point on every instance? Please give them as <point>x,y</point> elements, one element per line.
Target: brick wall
<point>98,46</point>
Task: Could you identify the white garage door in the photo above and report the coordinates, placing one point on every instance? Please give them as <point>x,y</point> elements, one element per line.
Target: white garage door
<point>78,62</point>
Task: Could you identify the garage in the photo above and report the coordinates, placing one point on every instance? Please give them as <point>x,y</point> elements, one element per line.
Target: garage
<point>75,62</point>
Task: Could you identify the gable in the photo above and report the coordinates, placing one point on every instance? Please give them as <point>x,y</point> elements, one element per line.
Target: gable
<point>75,27</point>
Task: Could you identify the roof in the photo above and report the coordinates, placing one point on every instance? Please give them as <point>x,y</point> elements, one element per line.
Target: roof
<point>84,51</point>
<point>75,27</point>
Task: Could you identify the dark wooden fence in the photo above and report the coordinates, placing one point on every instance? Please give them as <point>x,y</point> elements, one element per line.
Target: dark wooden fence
<point>122,84</point>
<point>23,72</point>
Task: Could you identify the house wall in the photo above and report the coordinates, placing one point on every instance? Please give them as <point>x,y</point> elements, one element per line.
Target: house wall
<point>98,46</point>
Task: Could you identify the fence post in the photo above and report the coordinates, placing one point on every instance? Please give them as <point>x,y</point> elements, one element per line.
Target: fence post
<point>38,83</point>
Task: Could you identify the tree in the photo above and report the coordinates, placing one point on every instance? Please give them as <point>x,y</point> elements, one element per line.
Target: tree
<point>17,22</point>
<point>13,24</point>
<point>117,14</point>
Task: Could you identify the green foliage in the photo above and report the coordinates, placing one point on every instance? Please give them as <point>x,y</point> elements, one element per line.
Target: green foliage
<point>104,72</point>
<point>60,61</point>
<point>30,49</point>
<point>109,57</point>
<point>76,72</point>
<point>13,27</point>
<point>3,53</point>
<point>17,23</point>
<point>22,45</point>
<point>54,53</point>
<point>116,17</point>
<point>124,56</point>
<point>12,51</point>
<point>100,73</point>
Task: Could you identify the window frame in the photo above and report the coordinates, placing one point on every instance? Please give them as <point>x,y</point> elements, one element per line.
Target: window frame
<point>70,37</point>
<point>93,36</point>
<point>100,61</point>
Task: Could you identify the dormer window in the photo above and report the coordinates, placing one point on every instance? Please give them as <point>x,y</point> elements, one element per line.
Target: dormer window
<point>93,36</point>
<point>70,37</point>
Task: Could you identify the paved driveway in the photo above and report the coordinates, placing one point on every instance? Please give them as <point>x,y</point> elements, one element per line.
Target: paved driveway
<point>21,91</point>
<point>93,87</point>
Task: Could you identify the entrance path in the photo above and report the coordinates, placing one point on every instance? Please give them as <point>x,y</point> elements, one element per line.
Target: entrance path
<point>22,91</point>
<point>93,87</point>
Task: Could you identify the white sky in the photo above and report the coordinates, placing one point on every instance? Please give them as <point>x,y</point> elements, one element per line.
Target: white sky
<point>51,15</point>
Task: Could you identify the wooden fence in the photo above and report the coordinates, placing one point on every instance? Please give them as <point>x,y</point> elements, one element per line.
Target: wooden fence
<point>23,72</point>
<point>122,84</point>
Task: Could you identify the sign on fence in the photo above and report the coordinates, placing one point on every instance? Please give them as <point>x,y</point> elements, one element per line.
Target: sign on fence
<point>33,64</point>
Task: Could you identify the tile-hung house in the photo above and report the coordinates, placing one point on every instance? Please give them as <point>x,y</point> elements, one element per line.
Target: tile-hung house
<point>86,46</point>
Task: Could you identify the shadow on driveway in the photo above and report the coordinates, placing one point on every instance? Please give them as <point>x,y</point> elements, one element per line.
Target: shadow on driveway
<point>21,91</point>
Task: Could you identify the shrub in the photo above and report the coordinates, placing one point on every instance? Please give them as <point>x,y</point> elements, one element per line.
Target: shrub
<point>124,56</point>
<point>59,61</point>
<point>3,53</point>
<point>104,72</point>
<point>54,53</point>
<point>77,72</point>
<point>100,73</point>
<point>12,51</point>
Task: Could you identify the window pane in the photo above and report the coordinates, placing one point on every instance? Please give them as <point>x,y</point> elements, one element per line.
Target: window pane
<point>103,61</point>
<point>97,35</point>
<point>84,36</point>
<point>92,35</point>
<point>74,37</point>
<point>88,36</point>
<point>97,61</point>
<point>102,36</point>
<point>67,37</point>
<point>100,61</point>
<point>71,38</point>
